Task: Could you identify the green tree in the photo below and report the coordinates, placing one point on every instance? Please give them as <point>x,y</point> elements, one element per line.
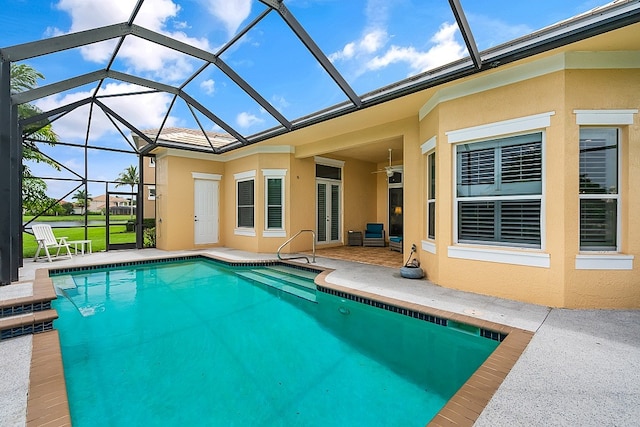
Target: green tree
<point>80,196</point>
<point>67,208</point>
<point>24,77</point>
<point>129,177</point>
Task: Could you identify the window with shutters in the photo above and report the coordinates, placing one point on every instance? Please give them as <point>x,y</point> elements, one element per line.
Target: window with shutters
<point>245,203</point>
<point>274,202</point>
<point>599,189</point>
<point>499,191</point>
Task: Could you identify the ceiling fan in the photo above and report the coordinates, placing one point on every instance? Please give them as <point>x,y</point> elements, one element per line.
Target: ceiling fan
<point>390,170</point>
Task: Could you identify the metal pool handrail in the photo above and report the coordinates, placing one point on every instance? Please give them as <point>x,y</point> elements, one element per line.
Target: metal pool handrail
<point>300,257</point>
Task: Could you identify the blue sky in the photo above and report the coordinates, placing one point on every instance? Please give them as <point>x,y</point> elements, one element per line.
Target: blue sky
<point>372,43</point>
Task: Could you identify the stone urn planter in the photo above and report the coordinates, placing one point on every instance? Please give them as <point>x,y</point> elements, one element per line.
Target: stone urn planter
<point>411,269</point>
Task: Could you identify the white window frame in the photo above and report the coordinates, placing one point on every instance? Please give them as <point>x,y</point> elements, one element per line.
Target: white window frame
<point>149,189</point>
<point>502,129</point>
<point>274,174</point>
<point>243,177</point>
<point>608,196</point>
<point>429,149</point>
<point>607,260</point>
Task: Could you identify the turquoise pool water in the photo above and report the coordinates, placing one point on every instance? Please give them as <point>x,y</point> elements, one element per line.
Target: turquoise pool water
<point>194,343</point>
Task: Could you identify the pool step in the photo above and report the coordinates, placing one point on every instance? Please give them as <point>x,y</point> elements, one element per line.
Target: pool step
<point>27,314</point>
<point>293,271</point>
<point>281,284</point>
<point>289,276</point>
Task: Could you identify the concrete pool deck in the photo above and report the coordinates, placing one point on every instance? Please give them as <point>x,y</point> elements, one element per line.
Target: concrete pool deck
<point>582,367</point>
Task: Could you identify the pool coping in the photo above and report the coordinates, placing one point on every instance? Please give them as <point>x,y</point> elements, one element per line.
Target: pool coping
<point>48,403</point>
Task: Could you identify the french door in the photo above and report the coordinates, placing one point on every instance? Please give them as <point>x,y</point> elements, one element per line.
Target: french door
<point>328,196</point>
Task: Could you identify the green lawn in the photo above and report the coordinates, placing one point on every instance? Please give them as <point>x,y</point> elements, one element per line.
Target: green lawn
<point>97,235</point>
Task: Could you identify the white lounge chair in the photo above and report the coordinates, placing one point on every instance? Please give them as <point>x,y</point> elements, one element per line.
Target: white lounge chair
<point>47,240</point>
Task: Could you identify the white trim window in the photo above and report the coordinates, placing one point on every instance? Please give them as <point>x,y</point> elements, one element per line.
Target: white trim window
<point>599,189</point>
<point>499,191</point>
<point>245,201</point>
<point>274,202</point>
<point>151,192</point>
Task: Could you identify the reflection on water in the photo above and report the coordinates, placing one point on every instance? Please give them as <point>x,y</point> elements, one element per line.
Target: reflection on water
<point>65,224</point>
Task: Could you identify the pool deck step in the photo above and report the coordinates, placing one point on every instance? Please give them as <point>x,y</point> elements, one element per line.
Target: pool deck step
<point>287,287</point>
<point>293,271</point>
<point>29,313</point>
<point>287,276</point>
<point>29,323</point>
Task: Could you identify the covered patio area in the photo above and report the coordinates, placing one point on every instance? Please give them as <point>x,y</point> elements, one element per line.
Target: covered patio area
<point>381,256</point>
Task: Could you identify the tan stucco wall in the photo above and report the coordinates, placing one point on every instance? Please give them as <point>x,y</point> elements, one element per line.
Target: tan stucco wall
<point>537,285</point>
<point>149,174</point>
<point>175,200</point>
<point>560,285</point>
<point>365,194</point>
<point>430,261</point>
<point>607,89</point>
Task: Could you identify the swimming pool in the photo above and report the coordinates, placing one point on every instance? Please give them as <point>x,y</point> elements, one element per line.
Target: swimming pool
<point>194,342</point>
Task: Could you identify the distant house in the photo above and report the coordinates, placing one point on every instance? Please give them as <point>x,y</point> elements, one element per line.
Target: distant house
<point>117,205</point>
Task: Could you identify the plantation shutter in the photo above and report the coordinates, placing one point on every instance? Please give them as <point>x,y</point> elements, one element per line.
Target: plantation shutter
<point>335,212</point>
<point>599,162</point>
<point>497,171</point>
<point>274,203</point>
<point>521,162</point>
<point>520,222</point>
<point>476,171</point>
<point>476,221</point>
<point>322,213</point>
<point>245,204</point>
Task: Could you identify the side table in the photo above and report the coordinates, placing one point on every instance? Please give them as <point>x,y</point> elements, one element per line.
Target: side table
<point>355,238</point>
<point>82,244</point>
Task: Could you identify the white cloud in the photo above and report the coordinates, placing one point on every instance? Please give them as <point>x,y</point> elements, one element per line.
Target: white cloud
<point>74,164</point>
<point>445,49</point>
<point>369,52</point>
<point>246,120</point>
<point>231,13</point>
<point>368,44</point>
<point>208,86</point>
<point>279,102</point>
<point>489,32</point>
<point>143,111</point>
<point>138,55</point>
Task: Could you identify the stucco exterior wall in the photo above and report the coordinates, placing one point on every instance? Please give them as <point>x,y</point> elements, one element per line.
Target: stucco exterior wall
<point>560,284</point>
<point>175,200</point>
<point>429,259</point>
<point>604,90</point>
<point>554,93</point>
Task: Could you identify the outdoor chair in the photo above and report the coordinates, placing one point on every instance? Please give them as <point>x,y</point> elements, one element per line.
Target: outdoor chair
<point>395,243</point>
<point>373,235</point>
<point>47,240</point>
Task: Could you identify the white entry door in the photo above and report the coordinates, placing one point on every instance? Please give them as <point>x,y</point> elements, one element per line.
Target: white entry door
<point>206,205</point>
<point>328,211</point>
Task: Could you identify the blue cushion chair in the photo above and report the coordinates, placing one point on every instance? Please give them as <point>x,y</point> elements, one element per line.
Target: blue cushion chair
<point>395,243</point>
<point>373,235</point>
